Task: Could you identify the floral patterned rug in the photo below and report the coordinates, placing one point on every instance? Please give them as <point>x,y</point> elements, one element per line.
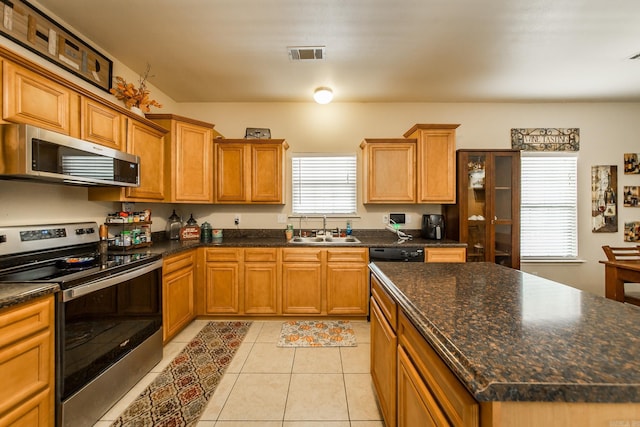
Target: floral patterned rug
<point>317,333</point>
<point>179,394</point>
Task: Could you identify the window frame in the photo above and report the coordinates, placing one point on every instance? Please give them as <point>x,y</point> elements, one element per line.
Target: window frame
<point>571,241</point>
<point>350,188</point>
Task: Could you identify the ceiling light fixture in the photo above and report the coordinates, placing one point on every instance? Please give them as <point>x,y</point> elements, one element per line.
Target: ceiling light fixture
<point>323,95</point>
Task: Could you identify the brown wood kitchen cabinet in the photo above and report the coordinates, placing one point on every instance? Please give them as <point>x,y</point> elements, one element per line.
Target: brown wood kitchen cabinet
<point>221,290</point>
<point>487,215</point>
<point>429,394</point>
<point>27,364</point>
<point>29,97</point>
<point>249,172</point>
<point>262,293</point>
<point>436,167</point>
<point>302,281</point>
<point>178,287</point>
<point>389,170</point>
<point>102,125</point>
<point>347,281</point>
<point>188,158</point>
<point>147,142</point>
<point>384,341</point>
<point>432,254</point>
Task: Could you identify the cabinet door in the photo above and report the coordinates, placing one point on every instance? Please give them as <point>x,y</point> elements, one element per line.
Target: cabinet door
<point>346,289</point>
<point>27,364</point>
<point>178,287</point>
<point>33,99</point>
<point>260,288</point>
<point>383,363</point>
<point>231,173</point>
<point>102,125</point>
<point>148,144</point>
<point>416,405</point>
<point>192,159</point>
<point>390,171</point>
<point>301,288</point>
<point>267,173</point>
<point>436,166</point>
<point>222,281</point>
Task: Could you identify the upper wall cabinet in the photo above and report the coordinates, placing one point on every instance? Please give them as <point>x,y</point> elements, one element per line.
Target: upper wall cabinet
<point>102,125</point>
<point>189,158</point>
<point>250,171</point>
<point>147,143</point>
<point>33,99</point>
<point>436,171</point>
<point>389,167</point>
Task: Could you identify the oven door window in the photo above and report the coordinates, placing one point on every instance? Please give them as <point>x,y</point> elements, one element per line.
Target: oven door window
<point>100,328</point>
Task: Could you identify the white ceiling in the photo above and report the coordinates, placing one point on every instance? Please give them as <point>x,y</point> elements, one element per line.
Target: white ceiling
<point>376,50</point>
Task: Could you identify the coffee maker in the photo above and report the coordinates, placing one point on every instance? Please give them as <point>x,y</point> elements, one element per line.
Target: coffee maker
<point>432,227</point>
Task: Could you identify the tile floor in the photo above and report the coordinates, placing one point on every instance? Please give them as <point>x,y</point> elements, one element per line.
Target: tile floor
<point>269,386</point>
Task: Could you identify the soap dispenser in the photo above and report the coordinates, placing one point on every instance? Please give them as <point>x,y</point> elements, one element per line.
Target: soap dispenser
<point>174,224</point>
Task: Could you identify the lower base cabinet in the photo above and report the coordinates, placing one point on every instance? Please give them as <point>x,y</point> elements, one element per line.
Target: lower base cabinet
<point>302,279</point>
<point>27,364</point>
<point>347,286</point>
<point>178,287</point>
<point>261,280</point>
<point>222,281</point>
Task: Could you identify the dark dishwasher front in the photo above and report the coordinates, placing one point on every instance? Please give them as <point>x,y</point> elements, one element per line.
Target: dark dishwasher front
<point>396,254</point>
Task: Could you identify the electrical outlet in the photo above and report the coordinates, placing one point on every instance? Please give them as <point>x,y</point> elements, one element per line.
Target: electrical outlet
<point>236,219</point>
<point>282,218</point>
<point>385,219</point>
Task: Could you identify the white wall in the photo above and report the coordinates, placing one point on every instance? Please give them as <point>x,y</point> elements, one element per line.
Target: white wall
<point>607,130</point>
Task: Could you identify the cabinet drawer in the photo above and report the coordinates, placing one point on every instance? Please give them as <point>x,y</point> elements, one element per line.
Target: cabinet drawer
<point>302,255</point>
<point>261,255</point>
<point>445,254</point>
<point>453,398</point>
<point>388,307</point>
<point>19,322</point>
<point>347,255</point>
<point>177,262</point>
<point>223,254</point>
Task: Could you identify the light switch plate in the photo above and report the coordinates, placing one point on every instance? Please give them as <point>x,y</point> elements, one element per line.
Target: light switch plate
<point>282,218</point>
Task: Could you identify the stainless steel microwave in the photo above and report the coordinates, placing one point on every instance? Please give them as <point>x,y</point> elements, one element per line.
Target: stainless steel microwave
<point>29,152</point>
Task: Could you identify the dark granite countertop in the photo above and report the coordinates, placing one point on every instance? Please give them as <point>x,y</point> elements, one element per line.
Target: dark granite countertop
<point>513,336</point>
<point>271,238</point>
<point>16,293</point>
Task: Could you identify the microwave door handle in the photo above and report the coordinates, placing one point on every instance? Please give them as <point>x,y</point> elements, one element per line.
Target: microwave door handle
<point>99,284</point>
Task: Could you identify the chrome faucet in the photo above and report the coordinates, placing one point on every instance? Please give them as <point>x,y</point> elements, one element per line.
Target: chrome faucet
<point>324,225</point>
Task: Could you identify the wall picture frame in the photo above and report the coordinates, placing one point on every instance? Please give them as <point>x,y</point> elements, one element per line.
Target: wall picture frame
<point>631,163</point>
<point>604,201</point>
<point>32,29</point>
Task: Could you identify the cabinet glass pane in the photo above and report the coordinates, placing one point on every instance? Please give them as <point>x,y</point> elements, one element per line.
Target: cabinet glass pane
<point>503,180</point>
<point>503,250</point>
<point>476,207</point>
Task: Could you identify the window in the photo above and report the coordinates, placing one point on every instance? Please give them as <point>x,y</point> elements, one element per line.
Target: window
<point>324,184</point>
<point>549,226</point>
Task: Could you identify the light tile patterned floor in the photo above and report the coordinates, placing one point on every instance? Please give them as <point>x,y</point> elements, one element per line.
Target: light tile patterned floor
<point>269,386</point>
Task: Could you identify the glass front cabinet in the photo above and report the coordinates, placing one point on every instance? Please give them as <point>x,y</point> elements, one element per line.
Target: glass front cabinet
<point>487,215</point>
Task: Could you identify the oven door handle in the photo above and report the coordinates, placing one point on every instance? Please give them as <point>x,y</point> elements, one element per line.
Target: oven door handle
<point>96,285</point>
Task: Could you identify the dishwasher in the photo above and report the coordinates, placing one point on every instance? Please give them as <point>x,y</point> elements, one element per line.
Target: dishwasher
<point>395,254</point>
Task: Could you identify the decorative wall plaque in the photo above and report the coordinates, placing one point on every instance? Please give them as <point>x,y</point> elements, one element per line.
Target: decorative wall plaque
<point>32,29</point>
<point>545,139</point>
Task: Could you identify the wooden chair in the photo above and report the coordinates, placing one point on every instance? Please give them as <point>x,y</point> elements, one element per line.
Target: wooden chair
<point>625,253</point>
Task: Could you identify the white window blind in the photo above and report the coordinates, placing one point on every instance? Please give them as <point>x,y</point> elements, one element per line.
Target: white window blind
<point>324,184</point>
<point>549,204</point>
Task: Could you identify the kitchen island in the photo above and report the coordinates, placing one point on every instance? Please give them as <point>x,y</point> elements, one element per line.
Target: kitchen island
<point>528,350</point>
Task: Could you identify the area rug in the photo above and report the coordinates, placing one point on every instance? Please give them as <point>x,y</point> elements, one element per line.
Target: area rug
<point>317,333</point>
<point>179,394</point>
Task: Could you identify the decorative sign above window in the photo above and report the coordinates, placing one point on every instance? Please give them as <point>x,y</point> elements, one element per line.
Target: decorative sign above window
<point>31,28</point>
<point>545,139</point>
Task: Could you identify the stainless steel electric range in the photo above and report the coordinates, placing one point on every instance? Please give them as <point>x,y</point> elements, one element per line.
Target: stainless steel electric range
<point>108,313</point>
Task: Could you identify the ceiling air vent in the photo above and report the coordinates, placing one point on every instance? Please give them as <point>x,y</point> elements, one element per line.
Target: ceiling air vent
<point>304,53</point>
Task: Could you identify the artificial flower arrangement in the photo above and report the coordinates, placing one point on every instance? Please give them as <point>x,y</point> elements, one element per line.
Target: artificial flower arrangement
<point>135,96</point>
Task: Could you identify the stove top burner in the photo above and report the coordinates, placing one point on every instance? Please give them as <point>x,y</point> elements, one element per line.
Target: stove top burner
<point>70,270</point>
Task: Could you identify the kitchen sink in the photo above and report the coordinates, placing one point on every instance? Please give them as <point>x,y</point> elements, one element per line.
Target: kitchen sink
<point>324,240</point>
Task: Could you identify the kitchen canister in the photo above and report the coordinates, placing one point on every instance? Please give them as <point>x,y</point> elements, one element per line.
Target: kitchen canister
<point>216,235</point>
<point>206,232</point>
